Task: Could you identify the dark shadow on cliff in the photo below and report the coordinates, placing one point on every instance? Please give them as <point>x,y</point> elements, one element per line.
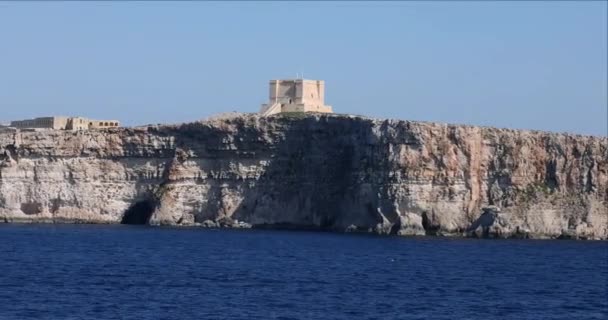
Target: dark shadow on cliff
<point>320,172</point>
<point>139,213</point>
<point>323,173</point>
<point>431,228</point>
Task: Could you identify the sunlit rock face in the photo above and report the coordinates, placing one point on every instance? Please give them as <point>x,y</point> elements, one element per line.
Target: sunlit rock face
<point>328,172</point>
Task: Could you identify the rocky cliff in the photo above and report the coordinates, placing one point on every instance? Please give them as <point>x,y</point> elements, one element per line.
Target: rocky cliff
<point>319,171</point>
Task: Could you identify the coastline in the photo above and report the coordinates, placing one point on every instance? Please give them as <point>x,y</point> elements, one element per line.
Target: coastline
<point>325,172</point>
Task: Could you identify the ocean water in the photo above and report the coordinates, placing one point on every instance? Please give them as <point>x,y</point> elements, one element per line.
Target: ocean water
<point>131,272</point>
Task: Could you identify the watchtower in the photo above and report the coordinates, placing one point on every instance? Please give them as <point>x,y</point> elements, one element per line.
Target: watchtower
<point>296,95</point>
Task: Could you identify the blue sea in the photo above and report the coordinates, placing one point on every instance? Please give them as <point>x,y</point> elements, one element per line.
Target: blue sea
<point>138,272</point>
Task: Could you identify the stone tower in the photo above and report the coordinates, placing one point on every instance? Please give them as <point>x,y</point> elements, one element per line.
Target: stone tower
<point>297,95</point>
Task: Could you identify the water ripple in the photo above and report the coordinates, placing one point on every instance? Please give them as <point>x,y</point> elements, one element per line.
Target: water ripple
<point>120,272</point>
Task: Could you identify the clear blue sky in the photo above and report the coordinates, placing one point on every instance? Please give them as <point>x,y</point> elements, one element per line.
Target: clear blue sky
<point>540,65</point>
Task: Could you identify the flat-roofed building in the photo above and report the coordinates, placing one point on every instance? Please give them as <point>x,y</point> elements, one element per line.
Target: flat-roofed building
<point>94,124</point>
<point>64,123</point>
<point>57,123</point>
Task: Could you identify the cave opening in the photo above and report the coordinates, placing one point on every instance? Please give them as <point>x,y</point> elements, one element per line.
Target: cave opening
<point>430,228</point>
<point>139,213</point>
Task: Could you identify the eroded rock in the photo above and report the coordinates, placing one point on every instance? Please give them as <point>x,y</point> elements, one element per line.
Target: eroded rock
<point>327,172</point>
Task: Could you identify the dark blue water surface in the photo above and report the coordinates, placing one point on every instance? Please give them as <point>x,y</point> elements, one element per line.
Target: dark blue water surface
<point>127,272</point>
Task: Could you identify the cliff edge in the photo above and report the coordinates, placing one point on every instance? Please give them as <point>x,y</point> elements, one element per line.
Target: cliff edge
<point>330,172</point>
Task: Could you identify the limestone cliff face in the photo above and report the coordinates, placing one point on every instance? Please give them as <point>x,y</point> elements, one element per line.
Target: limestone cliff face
<point>321,172</point>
